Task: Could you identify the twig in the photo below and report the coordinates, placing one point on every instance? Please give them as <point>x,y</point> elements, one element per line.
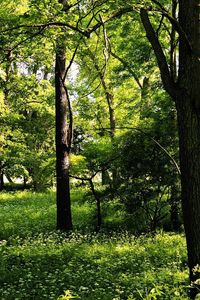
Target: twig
<point>70,63</point>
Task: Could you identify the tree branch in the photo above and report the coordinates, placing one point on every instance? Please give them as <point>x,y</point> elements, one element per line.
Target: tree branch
<point>126,65</point>
<point>85,33</point>
<point>22,42</point>
<point>49,24</point>
<point>167,80</point>
<point>174,23</point>
<point>70,63</point>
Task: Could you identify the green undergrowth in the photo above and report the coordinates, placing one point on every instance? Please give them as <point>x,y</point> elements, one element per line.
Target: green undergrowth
<point>37,262</point>
<point>27,213</point>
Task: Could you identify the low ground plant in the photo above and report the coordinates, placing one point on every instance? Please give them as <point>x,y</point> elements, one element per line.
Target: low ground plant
<point>38,262</point>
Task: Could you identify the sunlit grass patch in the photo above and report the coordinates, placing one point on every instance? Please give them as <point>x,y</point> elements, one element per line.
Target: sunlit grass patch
<point>23,213</point>
<point>27,213</point>
<point>38,262</point>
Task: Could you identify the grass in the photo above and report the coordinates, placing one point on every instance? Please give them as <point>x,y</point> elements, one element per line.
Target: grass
<point>38,262</point>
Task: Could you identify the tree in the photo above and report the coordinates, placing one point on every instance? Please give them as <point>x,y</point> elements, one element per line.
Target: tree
<point>185,92</point>
<point>147,180</point>
<point>33,20</point>
<point>27,116</point>
<point>63,142</point>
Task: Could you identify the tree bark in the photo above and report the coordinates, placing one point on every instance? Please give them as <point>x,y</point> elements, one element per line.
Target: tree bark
<point>145,98</point>
<point>64,217</point>
<point>98,203</point>
<point>189,141</point>
<point>188,110</point>
<point>1,180</point>
<point>112,120</point>
<point>174,202</point>
<point>186,94</point>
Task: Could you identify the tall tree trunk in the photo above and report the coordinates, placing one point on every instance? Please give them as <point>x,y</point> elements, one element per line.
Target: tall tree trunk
<point>109,98</point>
<point>174,202</point>
<point>189,137</point>
<point>64,218</point>
<point>186,93</point>
<point>98,203</point>
<point>145,99</point>
<point>110,102</point>
<point>1,180</point>
<point>25,181</point>
<point>188,109</point>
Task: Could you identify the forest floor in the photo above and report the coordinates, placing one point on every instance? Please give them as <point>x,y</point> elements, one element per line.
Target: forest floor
<point>37,262</point>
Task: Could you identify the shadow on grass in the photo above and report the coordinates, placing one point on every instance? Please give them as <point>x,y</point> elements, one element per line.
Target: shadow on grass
<point>94,267</point>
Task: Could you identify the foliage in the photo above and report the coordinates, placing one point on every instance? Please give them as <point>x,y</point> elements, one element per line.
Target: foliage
<point>142,186</point>
<point>67,296</point>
